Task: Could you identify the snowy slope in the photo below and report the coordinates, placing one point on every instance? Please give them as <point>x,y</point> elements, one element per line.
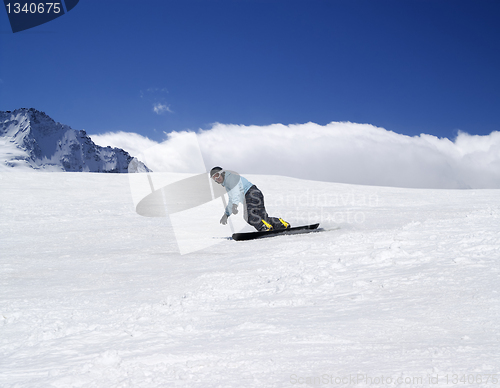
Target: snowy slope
<point>93,295</point>
<point>31,139</point>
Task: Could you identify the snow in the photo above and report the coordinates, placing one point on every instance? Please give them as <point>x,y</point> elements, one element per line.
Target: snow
<point>94,295</point>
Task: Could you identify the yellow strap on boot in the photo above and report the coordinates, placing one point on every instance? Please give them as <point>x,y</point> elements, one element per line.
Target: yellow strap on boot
<point>286,224</point>
<point>267,224</point>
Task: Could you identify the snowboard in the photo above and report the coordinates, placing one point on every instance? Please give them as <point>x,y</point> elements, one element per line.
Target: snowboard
<point>272,233</point>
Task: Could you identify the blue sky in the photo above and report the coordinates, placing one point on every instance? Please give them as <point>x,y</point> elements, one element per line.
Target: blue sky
<point>408,66</point>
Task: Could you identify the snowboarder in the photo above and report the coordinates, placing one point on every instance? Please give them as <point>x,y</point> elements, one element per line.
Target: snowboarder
<point>240,190</point>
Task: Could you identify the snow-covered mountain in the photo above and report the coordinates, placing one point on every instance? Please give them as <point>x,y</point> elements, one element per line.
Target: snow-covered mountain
<point>31,139</point>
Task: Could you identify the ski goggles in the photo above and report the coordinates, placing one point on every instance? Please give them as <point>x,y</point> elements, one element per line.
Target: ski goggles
<point>217,174</point>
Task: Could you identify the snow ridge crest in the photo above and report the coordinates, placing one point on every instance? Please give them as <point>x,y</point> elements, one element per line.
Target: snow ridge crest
<point>31,139</point>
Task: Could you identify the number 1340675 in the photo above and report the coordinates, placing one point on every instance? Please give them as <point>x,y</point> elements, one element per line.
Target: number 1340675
<point>33,7</point>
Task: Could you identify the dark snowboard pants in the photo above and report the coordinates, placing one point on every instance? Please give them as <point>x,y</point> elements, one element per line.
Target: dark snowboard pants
<point>255,210</point>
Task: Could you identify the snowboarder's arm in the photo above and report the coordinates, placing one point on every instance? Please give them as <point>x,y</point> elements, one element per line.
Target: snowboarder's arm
<point>234,191</point>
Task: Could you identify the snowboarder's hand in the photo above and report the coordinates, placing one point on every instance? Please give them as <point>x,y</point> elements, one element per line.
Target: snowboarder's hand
<point>235,209</point>
<point>223,220</point>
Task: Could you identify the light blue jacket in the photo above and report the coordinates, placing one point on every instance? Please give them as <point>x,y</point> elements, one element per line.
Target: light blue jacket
<point>236,187</point>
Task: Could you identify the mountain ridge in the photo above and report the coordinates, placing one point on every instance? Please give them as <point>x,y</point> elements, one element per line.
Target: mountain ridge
<point>31,139</point>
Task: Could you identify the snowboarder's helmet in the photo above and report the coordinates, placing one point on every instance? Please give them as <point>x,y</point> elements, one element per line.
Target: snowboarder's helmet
<point>214,171</point>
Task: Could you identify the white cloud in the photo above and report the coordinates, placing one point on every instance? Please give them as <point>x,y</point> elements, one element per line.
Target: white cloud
<point>179,153</point>
<point>160,108</point>
<point>337,152</point>
<point>131,142</point>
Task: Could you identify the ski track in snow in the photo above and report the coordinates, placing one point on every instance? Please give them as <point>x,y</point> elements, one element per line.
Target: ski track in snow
<point>93,295</point>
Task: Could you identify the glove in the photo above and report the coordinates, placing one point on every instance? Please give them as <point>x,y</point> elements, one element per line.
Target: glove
<point>235,209</point>
<point>223,220</point>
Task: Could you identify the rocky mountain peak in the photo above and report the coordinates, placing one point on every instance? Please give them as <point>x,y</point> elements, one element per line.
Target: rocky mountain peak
<point>30,138</point>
